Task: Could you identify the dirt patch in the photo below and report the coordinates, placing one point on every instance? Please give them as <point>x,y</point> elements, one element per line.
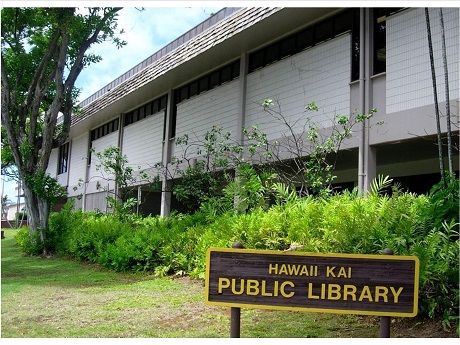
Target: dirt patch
<point>421,328</point>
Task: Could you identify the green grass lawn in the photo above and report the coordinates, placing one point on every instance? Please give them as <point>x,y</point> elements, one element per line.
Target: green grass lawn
<point>51,297</point>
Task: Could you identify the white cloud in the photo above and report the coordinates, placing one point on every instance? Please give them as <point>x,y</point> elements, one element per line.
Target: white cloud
<point>146,32</point>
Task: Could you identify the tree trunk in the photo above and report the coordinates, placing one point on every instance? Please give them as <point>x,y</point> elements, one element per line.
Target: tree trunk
<point>435,94</point>
<point>446,81</point>
<point>38,211</point>
<point>44,212</point>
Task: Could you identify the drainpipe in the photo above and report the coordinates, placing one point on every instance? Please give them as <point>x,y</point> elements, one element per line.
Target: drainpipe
<point>69,155</point>
<point>362,96</point>
<point>120,146</point>
<point>87,167</point>
<point>242,98</point>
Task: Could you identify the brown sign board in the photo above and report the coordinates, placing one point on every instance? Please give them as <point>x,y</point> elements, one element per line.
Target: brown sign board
<point>381,285</point>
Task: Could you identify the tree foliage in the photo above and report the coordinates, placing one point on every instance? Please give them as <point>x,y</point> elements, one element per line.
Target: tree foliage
<point>113,166</point>
<point>303,159</point>
<point>43,51</point>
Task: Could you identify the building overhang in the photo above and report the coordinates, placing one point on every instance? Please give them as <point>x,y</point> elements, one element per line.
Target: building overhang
<point>243,32</point>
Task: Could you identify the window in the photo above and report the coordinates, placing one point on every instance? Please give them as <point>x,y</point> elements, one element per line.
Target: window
<point>142,113</point>
<point>63,158</point>
<point>147,109</point>
<point>339,24</point>
<point>155,106</point>
<point>323,31</point>
<point>236,69</point>
<point>288,46</point>
<point>183,93</point>
<point>272,54</point>
<point>355,47</point>
<point>106,129</point>
<point>379,38</point>
<point>214,79</point>
<point>204,84</point>
<point>207,82</point>
<point>226,74</point>
<point>304,39</point>
<point>343,21</point>
<point>193,89</point>
<point>163,100</point>
<point>256,60</point>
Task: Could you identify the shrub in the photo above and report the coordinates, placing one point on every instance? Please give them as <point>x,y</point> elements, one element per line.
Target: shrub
<point>29,243</point>
<point>92,236</point>
<point>61,225</point>
<point>425,226</point>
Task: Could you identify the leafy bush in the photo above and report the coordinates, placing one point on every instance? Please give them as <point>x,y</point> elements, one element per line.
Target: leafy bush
<point>196,185</point>
<point>422,225</point>
<point>444,203</point>
<point>29,243</point>
<point>61,225</point>
<point>439,272</point>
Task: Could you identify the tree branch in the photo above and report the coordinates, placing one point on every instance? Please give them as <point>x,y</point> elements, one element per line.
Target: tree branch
<point>50,119</point>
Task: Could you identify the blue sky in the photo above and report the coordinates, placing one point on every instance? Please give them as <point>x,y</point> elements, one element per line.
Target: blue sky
<point>147,31</point>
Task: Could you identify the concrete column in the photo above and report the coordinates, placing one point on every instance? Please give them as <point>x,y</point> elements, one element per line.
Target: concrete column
<point>242,98</point>
<point>367,166</point>
<point>165,198</point>
<point>370,166</point>
<point>167,143</point>
<point>120,145</point>
<point>362,104</point>
<point>370,154</point>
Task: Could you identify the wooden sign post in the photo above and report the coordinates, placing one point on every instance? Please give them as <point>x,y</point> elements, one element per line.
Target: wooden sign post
<point>329,283</point>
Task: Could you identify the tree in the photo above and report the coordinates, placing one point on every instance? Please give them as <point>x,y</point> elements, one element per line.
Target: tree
<point>204,166</point>
<point>446,82</point>
<point>43,52</point>
<point>435,96</point>
<point>113,166</point>
<point>304,158</point>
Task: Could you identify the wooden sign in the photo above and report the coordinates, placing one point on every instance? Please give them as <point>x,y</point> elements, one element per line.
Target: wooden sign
<point>381,285</point>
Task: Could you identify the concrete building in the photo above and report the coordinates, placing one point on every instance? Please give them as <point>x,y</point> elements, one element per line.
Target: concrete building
<point>220,72</point>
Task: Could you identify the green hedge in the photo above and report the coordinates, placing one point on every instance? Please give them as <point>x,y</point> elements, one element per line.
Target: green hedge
<point>425,226</point>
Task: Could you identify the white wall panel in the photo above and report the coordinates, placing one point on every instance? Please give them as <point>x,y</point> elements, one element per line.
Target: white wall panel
<point>99,145</point>
<point>143,142</point>
<point>216,107</point>
<point>97,201</point>
<point>78,162</point>
<point>53,163</point>
<point>408,75</point>
<point>320,74</point>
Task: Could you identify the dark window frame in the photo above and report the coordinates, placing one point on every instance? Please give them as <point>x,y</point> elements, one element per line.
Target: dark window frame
<point>63,160</point>
<point>379,46</point>
<point>106,128</point>
<point>214,79</point>
<point>207,82</point>
<point>146,110</point>
<point>355,46</point>
<point>337,25</point>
